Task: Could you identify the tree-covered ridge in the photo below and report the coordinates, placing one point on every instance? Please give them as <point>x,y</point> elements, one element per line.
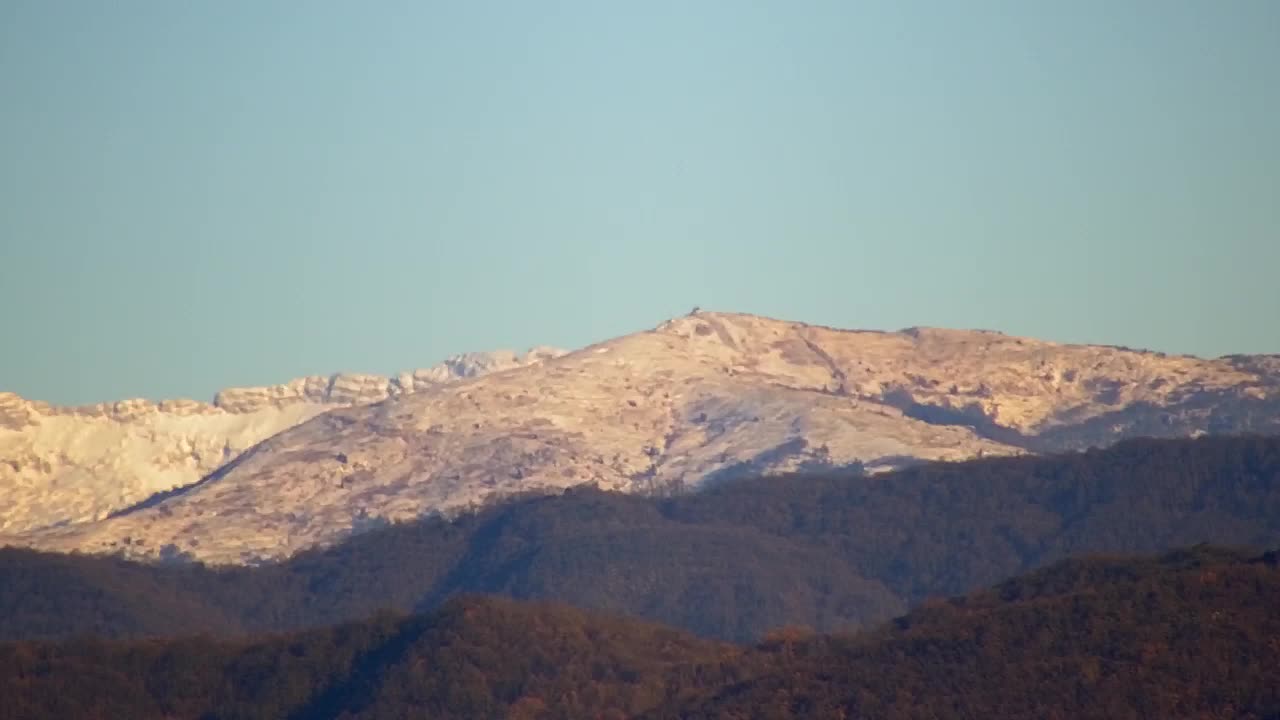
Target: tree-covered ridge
<point>473,658</point>
<point>1193,634</point>
<point>1190,634</point>
<point>831,551</point>
<point>950,528</point>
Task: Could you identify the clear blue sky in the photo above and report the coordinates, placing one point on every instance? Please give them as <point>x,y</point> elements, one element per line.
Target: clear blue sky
<point>202,194</point>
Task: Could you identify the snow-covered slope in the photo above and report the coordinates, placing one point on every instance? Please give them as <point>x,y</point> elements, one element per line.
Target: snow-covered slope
<point>68,465</point>
<point>699,399</point>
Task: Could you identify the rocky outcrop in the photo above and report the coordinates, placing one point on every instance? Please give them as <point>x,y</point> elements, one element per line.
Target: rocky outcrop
<point>362,389</point>
<point>62,465</point>
<point>699,399</point>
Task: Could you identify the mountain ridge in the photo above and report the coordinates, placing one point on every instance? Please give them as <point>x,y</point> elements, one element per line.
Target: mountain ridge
<point>829,551</point>
<point>78,463</point>
<point>700,398</point>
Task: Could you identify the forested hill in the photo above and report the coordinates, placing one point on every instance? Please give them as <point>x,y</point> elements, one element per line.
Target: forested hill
<point>1190,634</point>
<point>473,658</point>
<point>830,552</point>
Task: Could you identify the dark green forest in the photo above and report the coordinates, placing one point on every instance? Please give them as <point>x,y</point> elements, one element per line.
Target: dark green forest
<point>1193,633</point>
<point>832,552</point>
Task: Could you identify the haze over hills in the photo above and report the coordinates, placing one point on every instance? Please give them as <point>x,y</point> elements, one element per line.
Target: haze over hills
<point>697,400</point>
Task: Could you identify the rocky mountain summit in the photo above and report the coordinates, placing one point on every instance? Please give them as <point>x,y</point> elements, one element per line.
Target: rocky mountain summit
<point>697,400</point>
<point>73,464</point>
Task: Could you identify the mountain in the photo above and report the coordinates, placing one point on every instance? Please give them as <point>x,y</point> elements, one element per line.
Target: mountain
<point>833,551</point>
<point>699,400</point>
<point>73,464</point>
<point>1188,634</point>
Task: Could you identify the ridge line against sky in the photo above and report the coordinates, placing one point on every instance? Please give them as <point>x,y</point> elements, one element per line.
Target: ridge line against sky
<point>199,196</point>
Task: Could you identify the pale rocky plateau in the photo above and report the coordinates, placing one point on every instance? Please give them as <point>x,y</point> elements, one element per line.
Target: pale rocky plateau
<point>261,474</point>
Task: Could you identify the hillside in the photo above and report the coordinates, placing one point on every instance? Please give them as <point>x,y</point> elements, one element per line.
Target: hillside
<point>474,658</point>
<point>832,551</point>
<point>1190,634</point>
<point>74,464</point>
<point>697,401</point>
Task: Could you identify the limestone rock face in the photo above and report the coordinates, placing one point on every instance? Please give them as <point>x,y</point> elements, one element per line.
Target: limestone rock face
<point>61,465</point>
<point>698,400</point>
